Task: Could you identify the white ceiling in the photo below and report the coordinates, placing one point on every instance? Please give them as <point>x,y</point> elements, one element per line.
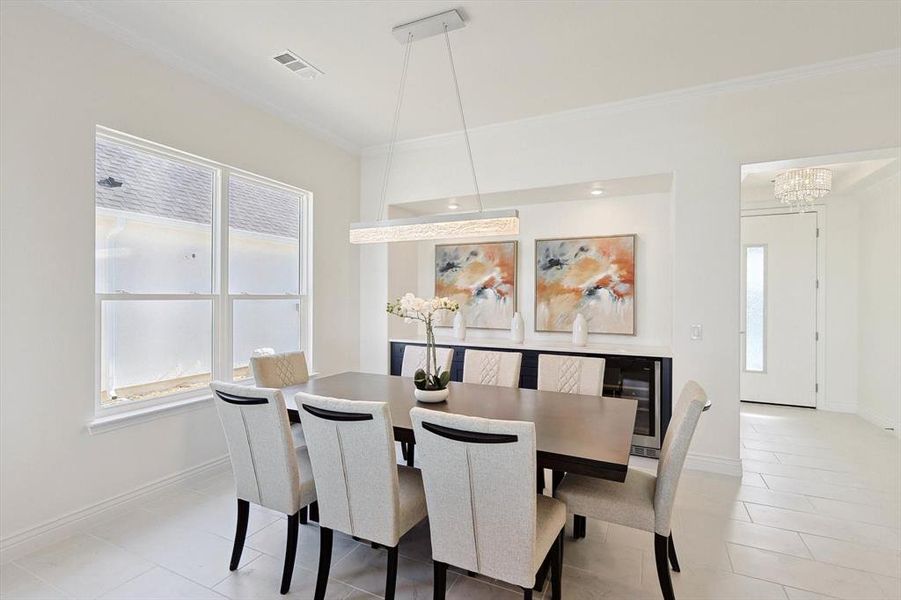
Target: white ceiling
<point>514,59</point>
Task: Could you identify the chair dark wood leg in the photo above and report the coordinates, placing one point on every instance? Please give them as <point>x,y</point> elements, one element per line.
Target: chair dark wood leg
<point>557,568</point>
<point>314,512</point>
<point>580,527</point>
<point>526,593</point>
<point>303,515</point>
<point>325,562</point>
<point>440,580</point>
<point>290,551</point>
<point>404,450</point>
<point>539,480</point>
<point>673,560</point>
<point>391,577</point>
<point>411,453</point>
<point>541,575</point>
<point>240,533</point>
<point>661,543</point>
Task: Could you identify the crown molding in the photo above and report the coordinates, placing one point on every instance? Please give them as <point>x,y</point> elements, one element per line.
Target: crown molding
<point>862,62</point>
<point>84,14</point>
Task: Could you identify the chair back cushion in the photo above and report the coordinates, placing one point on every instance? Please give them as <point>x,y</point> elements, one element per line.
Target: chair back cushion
<point>351,446</point>
<point>414,359</point>
<point>260,445</point>
<point>280,370</point>
<point>479,480</point>
<point>571,374</point>
<point>686,413</point>
<point>492,368</point>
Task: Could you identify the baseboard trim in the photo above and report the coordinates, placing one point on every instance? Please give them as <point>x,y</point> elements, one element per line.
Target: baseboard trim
<point>27,540</point>
<point>840,407</point>
<point>880,421</point>
<point>713,464</point>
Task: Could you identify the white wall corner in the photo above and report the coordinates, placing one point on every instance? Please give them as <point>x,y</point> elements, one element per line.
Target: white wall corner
<point>880,420</point>
<point>839,407</point>
<point>713,464</point>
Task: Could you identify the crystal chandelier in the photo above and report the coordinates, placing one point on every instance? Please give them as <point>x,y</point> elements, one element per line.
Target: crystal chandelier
<point>471,224</point>
<point>800,188</point>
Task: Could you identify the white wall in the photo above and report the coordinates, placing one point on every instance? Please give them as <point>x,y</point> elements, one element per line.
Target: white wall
<point>880,304</point>
<point>842,234</point>
<point>647,216</point>
<point>702,137</point>
<point>59,80</point>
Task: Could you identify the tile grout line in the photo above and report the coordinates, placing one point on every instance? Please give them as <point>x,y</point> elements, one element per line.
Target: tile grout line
<point>41,579</point>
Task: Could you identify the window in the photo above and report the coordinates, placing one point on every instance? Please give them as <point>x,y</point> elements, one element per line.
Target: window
<point>755,308</point>
<point>198,266</point>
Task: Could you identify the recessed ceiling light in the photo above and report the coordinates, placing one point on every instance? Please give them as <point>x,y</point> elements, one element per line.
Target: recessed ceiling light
<point>453,205</point>
<point>597,192</point>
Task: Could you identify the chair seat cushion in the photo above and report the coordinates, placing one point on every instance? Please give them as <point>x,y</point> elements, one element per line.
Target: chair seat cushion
<point>630,503</point>
<point>411,496</point>
<point>551,517</point>
<point>307,485</point>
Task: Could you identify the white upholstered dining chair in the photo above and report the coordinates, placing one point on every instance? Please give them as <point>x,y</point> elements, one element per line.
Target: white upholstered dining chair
<point>484,514</point>
<point>268,469</point>
<point>279,371</point>
<point>415,359</point>
<point>644,501</point>
<point>363,492</point>
<point>492,368</point>
<point>571,374</point>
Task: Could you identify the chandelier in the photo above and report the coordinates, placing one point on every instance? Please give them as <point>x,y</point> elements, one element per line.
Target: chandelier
<point>800,188</point>
<point>471,224</point>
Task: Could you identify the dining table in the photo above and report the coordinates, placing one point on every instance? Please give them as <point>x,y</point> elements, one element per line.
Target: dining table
<point>574,433</point>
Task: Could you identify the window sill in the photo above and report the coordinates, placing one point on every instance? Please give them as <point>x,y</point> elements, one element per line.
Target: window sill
<point>149,413</point>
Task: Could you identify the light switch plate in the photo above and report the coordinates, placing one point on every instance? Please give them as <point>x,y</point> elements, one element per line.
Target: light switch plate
<point>696,332</point>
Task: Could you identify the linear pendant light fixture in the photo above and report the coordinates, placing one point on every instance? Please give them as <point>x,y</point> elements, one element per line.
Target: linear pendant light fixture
<point>471,224</point>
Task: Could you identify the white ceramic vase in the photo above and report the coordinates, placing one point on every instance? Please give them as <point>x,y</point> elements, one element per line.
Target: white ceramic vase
<point>459,326</point>
<point>580,331</point>
<point>517,329</point>
<point>431,396</point>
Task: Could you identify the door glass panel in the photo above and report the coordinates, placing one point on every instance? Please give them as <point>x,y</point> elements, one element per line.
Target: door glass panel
<point>755,308</point>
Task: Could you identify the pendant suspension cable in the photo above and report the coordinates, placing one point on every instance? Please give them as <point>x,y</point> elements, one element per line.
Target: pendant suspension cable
<point>400,100</point>
<point>472,166</point>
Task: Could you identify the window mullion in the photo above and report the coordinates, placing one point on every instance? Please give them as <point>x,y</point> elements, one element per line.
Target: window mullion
<point>223,339</point>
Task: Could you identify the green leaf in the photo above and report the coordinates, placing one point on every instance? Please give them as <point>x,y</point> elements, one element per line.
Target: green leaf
<point>445,377</point>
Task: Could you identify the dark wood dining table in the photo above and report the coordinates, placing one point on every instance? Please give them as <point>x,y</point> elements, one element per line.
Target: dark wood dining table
<point>585,435</point>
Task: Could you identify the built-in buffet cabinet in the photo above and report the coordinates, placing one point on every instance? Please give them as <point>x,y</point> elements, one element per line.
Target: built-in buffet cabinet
<point>641,373</point>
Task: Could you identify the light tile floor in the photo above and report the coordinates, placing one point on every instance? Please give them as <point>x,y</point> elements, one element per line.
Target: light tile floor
<point>816,515</point>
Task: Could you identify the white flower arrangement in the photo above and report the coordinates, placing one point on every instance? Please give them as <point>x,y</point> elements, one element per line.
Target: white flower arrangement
<point>412,308</point>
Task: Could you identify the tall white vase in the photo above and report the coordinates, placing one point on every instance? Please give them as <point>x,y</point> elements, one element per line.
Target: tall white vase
<point>459,326</point>
<point>580,331</point>
<point>517,329</point>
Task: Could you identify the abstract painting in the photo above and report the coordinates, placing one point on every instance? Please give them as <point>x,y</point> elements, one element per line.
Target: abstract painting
<point>592,276</point>
<point>482,278</point>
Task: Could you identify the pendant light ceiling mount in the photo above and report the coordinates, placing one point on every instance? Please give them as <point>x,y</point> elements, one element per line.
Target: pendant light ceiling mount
<point>472,224</point>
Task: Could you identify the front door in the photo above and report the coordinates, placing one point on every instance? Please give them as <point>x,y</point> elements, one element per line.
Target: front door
<point>779,317</point>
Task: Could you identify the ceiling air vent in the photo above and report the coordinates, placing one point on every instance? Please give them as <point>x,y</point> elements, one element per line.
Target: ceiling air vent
<point>297,65</point>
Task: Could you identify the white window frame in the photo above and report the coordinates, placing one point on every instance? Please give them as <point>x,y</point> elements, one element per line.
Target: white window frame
<point>221,298</point>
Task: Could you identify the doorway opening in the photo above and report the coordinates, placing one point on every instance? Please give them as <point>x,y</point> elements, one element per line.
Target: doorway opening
<point>816,282</point>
